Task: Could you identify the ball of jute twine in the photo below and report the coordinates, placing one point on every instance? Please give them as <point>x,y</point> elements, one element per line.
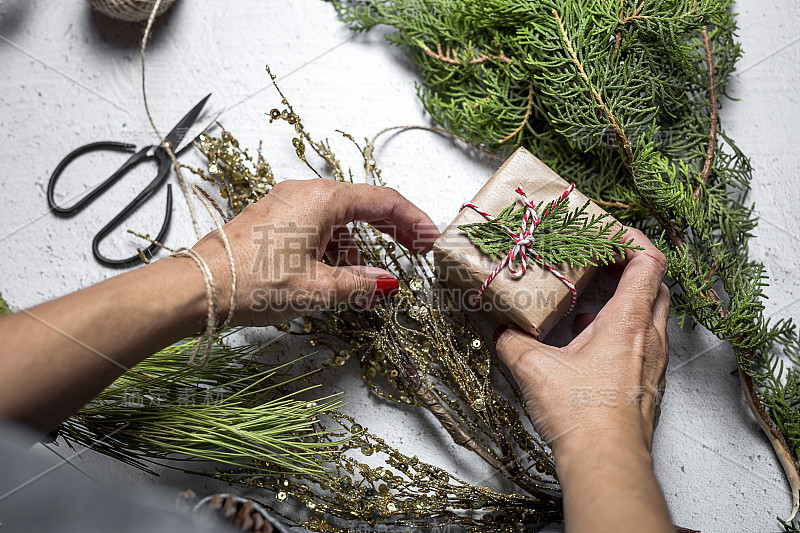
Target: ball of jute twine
<point>130,10</point>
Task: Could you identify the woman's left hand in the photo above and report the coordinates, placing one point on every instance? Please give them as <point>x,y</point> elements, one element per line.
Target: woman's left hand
<point>278,244</point>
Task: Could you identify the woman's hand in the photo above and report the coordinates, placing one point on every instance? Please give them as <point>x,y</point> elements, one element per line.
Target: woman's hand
<point>278,244</point>
<point>607,380</point>
<point>595,401</point>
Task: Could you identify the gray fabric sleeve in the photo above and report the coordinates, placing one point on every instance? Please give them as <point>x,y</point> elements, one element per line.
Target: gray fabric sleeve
<point>37,494</point>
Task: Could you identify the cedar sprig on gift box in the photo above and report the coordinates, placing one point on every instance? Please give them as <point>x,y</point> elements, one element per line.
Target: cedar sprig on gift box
<point>568,236</point>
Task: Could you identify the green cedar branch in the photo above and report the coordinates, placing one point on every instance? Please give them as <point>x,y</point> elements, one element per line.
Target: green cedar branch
<point>595,94</point>
<point>625,105</point>
<point>675,234</point>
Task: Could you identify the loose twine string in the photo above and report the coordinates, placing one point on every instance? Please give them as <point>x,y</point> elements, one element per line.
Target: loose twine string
<point>165,145</point>
<point>212,292</point>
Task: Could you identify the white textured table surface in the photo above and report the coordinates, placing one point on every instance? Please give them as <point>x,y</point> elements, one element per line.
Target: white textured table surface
<point>70,76</point>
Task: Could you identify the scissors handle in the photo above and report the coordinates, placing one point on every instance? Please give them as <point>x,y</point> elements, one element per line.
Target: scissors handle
<point>142,197</point>
<point>97,191</point>
<point>148,252</point>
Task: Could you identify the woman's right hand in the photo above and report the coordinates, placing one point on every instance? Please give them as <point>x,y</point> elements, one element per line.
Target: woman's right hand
<point>596,400</point>
<point>607,382</point>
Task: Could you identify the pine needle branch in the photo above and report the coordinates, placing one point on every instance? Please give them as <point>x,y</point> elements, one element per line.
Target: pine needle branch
<point>173,412</point>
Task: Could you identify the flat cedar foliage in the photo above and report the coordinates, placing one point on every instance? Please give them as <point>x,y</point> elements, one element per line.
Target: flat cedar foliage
<point>621,98</point>
<point>564,236</point>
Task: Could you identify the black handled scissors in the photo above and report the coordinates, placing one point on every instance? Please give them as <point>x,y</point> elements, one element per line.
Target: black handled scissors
<point>156,152</point>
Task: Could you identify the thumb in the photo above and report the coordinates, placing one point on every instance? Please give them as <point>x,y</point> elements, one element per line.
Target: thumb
<point>514,347</point>
<point>360,285</point>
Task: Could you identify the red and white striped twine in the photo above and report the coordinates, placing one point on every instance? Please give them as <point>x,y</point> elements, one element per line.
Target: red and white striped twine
<point>523,244</point>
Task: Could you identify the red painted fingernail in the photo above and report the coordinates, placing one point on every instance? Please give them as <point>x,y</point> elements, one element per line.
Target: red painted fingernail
<point>499,331</point>
<point>386,286</point>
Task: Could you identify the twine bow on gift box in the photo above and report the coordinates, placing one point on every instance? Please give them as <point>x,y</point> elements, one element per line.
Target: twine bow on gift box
<point>523,245</point>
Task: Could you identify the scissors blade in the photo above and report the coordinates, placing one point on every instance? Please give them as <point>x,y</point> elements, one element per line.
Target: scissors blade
<point>196,131</point>
<point>175,136</point>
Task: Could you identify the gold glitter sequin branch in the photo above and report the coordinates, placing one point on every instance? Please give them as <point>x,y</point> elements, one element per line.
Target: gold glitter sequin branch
<point>413,350</point>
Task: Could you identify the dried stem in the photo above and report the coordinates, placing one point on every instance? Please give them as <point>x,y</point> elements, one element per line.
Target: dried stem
<point>631,16</point>
<point>620,205</point>
<point>628,16</point>
<point>712,130</point>
<point>432,402</point>
<point>451,57</point>
<point>617,43</point>
<point>776,438</point>
<point>528,111</point>
<point>595,95</point>
<point>509,459</point>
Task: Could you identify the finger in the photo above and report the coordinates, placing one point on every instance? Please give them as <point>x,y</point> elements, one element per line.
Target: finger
<point>644,272</point>
<point>638,238</point>
<point>397,234</point>
<point>513,347</point>
<point>582,321</point>
<point>387,210</point>
<point>616,268</point>
<point>661,310</point>
<point>341,249</point>
<point>360,285</point>
<point>656,419</point>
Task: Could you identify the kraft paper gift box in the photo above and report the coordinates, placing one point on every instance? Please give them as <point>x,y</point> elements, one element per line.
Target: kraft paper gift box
<point>537,300</point>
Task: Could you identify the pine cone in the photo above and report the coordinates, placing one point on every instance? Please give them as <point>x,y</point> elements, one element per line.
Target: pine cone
<point>244,513</point>
<point>185,501</point>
